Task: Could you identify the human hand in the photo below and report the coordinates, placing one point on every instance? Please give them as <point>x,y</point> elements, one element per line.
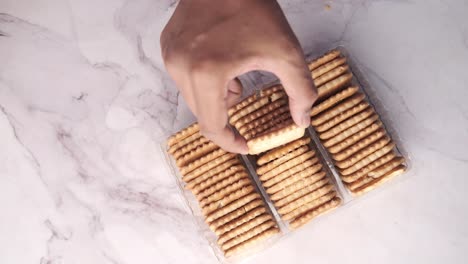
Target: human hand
<point>206,44</point>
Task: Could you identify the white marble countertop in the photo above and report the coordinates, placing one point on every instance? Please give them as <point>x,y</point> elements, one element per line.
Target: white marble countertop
<point>85,103</point>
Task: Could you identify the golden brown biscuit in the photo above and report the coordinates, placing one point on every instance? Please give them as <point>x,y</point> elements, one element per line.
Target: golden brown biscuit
<point>308,206</point>
<point>387,167</point>
<point>328,67</point>
<point>333,100</point>
<point>263,119</point>
<point>201,161</point>
<point>306,217</point>
<point>184,142</point>
<point>252,241</point>
<point>334,85</point>
<point>277,162</point>
<point>242,219</point>
<point>281,151</point>
<point>306,198</point>
<point>211,173</point>
<point>224,187</point>
<point>196,153</point>
<point>262,101</point>
<point>257,203</point>
<point>342,117</point>
<point>349,141</point>
<point>363,153</point>
<point>228,171</point>
<point>268,125</point>
<point>207,167</point>
<point>379,181</point>
<point>346,124</point>
<point>184,133</point>
<point>187,148</point>
<point>338,109</point>
<point>308,183</point>
<point>247,235</point>
<point>254,97</point>
<point>372,166</point>
<point>275,138</point>
<point>346,153</point>
<point>350,131</point>
<point>365,161</point>
<point>232,206</point>
<point>292,171</point>
<point>230,197</point>
<point>259,113</point>
<point>324,59</point>
<point>331,75</point>
<point>244,228</point>
<point>287,165</point>
<point>302,191</point>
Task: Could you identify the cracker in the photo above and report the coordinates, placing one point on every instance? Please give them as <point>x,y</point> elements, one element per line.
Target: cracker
<point>247,235</point>
<point>346,153</point>
<point>350,131</point>
<point>259,113</point>
<point>207,209</point>
<point>254,97</point>
<point>287,165</point>
<point>308,206</point>
<point>244,228</point>
<point>277,162</point>
<point>222,188</point>
<point>188,148</point>
<point>197,153</point>
<point>263,119</point>
<point>333,100</point>
<point>341,117</point>
<point>349,141</point>
<point>268,125</point>
<point>307,198</point>
<point>328,67</point>
<point>252,241</point>
<point>324,59</point>
<point>338,109</point>
<point>242,219</point>
<point>292,171</point>
<point>257,203</point>
<point>308,183</point>
<point>283,150</point>
<point>346,124</point>
<point>386,168</point>
<point>184,142</point>
<point>363,153</point>
<point>262,101</point>
<point>207,166</point>
<point>365,161</point>
<point>184,133</point>
<point>201,161</point>
<point>275,138</point>
<point>379,181</point>
<point>306,217</point>
<point>232,206</point>
<point>372,166</point>
<point>228,171</point>
<point>211,173</point>
<point>290,199</point>
<point>333,86</point>
<point>331,75</point>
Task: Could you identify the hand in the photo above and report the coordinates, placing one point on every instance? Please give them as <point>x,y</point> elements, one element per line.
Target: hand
<point>206,44</point>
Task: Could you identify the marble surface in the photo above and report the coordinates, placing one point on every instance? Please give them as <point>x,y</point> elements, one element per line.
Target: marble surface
<point>85,103</point>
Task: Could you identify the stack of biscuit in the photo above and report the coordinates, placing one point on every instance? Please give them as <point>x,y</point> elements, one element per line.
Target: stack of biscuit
<point>298,186</point>
<point>228,199</point>
<point>264,120</point>
<point>350,129</point>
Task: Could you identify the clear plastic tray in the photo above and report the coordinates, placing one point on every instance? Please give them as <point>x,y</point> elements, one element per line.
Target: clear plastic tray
<point>250,81</point>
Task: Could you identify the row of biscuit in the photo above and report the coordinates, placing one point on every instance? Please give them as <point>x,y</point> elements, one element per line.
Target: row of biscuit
<point>229,201</point>
<point>350,129</point>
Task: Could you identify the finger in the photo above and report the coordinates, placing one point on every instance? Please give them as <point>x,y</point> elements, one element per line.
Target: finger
<point>234,92</point>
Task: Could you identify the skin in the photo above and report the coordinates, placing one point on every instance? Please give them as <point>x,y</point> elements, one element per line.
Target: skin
<point>206,44</point>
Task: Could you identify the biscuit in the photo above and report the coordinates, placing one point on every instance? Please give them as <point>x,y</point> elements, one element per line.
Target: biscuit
<point>184,142</point>
<point>306,198</point>
<point>255,204</point>
<point>232,206</point>
<point>376,182</point>
<point>263,119</point>
<point>209,208</point>
<point>195,154</point>
<point>341,117</point>
<point>226,172</point>
<point>346,124</point>
<point>333,86</point>
<point>291,198</point>
<point>331,75</point>
<point>215,171</point>
<point>363,153</point>
<point>292,171</point>
<point>201,161</point>
<point>254,97</point>
<point>349,141</point>
<point>262,101</point>
<point>287,165</point>
<point>187,148</point>
<point>268,125</point>
<point>324,59</point>
<point>336,110</point>
<point>252,241</point>
<point>259,113</point>
<point>244,218</point>
<point>328,67</point>
<point>333,100</point>
<point>306,217</point>
<point>346,153</point>
<point>308,206</point>
<point>372,166</point>
<point>281,151</point>
<point>244,228</point>
<point>277,162</point>
<point>247,235</point>
<point>207,166</point>
<point>275,138</point>
<point>309,183</point>
<point>350,131</point>
<point>387,167</point>
<point>184,133</point>
<point>365,161</point>
<point>223,187</point>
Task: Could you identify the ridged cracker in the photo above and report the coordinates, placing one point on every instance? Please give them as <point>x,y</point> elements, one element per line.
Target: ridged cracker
<point>259,113</point>
<point>223,187</point>
<point>334,85</point>
<point>327,67</point>
<point>257,203</point>
<point>211,173</point>
<point>273,123</point>
<point>184,142</point>
<point>263,119</point>
<point>247,235</point>
<point>363,162</point>
<point>308,216</point>
<point>324,59</point>
<point>350,131</point>
<point>307,198</point>
<point>207,166</point>
<point>242,219</point>
<point>302,192</point>
<point>337,109</point>
<point>187,148</point>
<point>379,181</point>
<point>287,165</point>
<point>254,97</point>
<point>262,101</point>
<point>365,152</point>
<point>230,197</point>
<point>342,117</point>
<point>226,172</point>
<point>277,162</point>
<point>333,100</point>
<point>386,168</point>
<point>197,153</point>
<point>346,124</point>
<point>346,153</point>
<point>188,131</point>
<point>275,138</point>
<point>244,228</point>
<point>252,241</point>
<point>370,167</point>
<point>308,206</point>
<point>202,160</point>
<point>292,171</point>
<point>351,140</point>
<point>281,151</point>
<point>309,183</point>
<point>331,75</point>
<point>232,206</point>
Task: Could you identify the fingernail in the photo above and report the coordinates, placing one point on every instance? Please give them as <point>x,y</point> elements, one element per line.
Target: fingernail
<point>305,120</point>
